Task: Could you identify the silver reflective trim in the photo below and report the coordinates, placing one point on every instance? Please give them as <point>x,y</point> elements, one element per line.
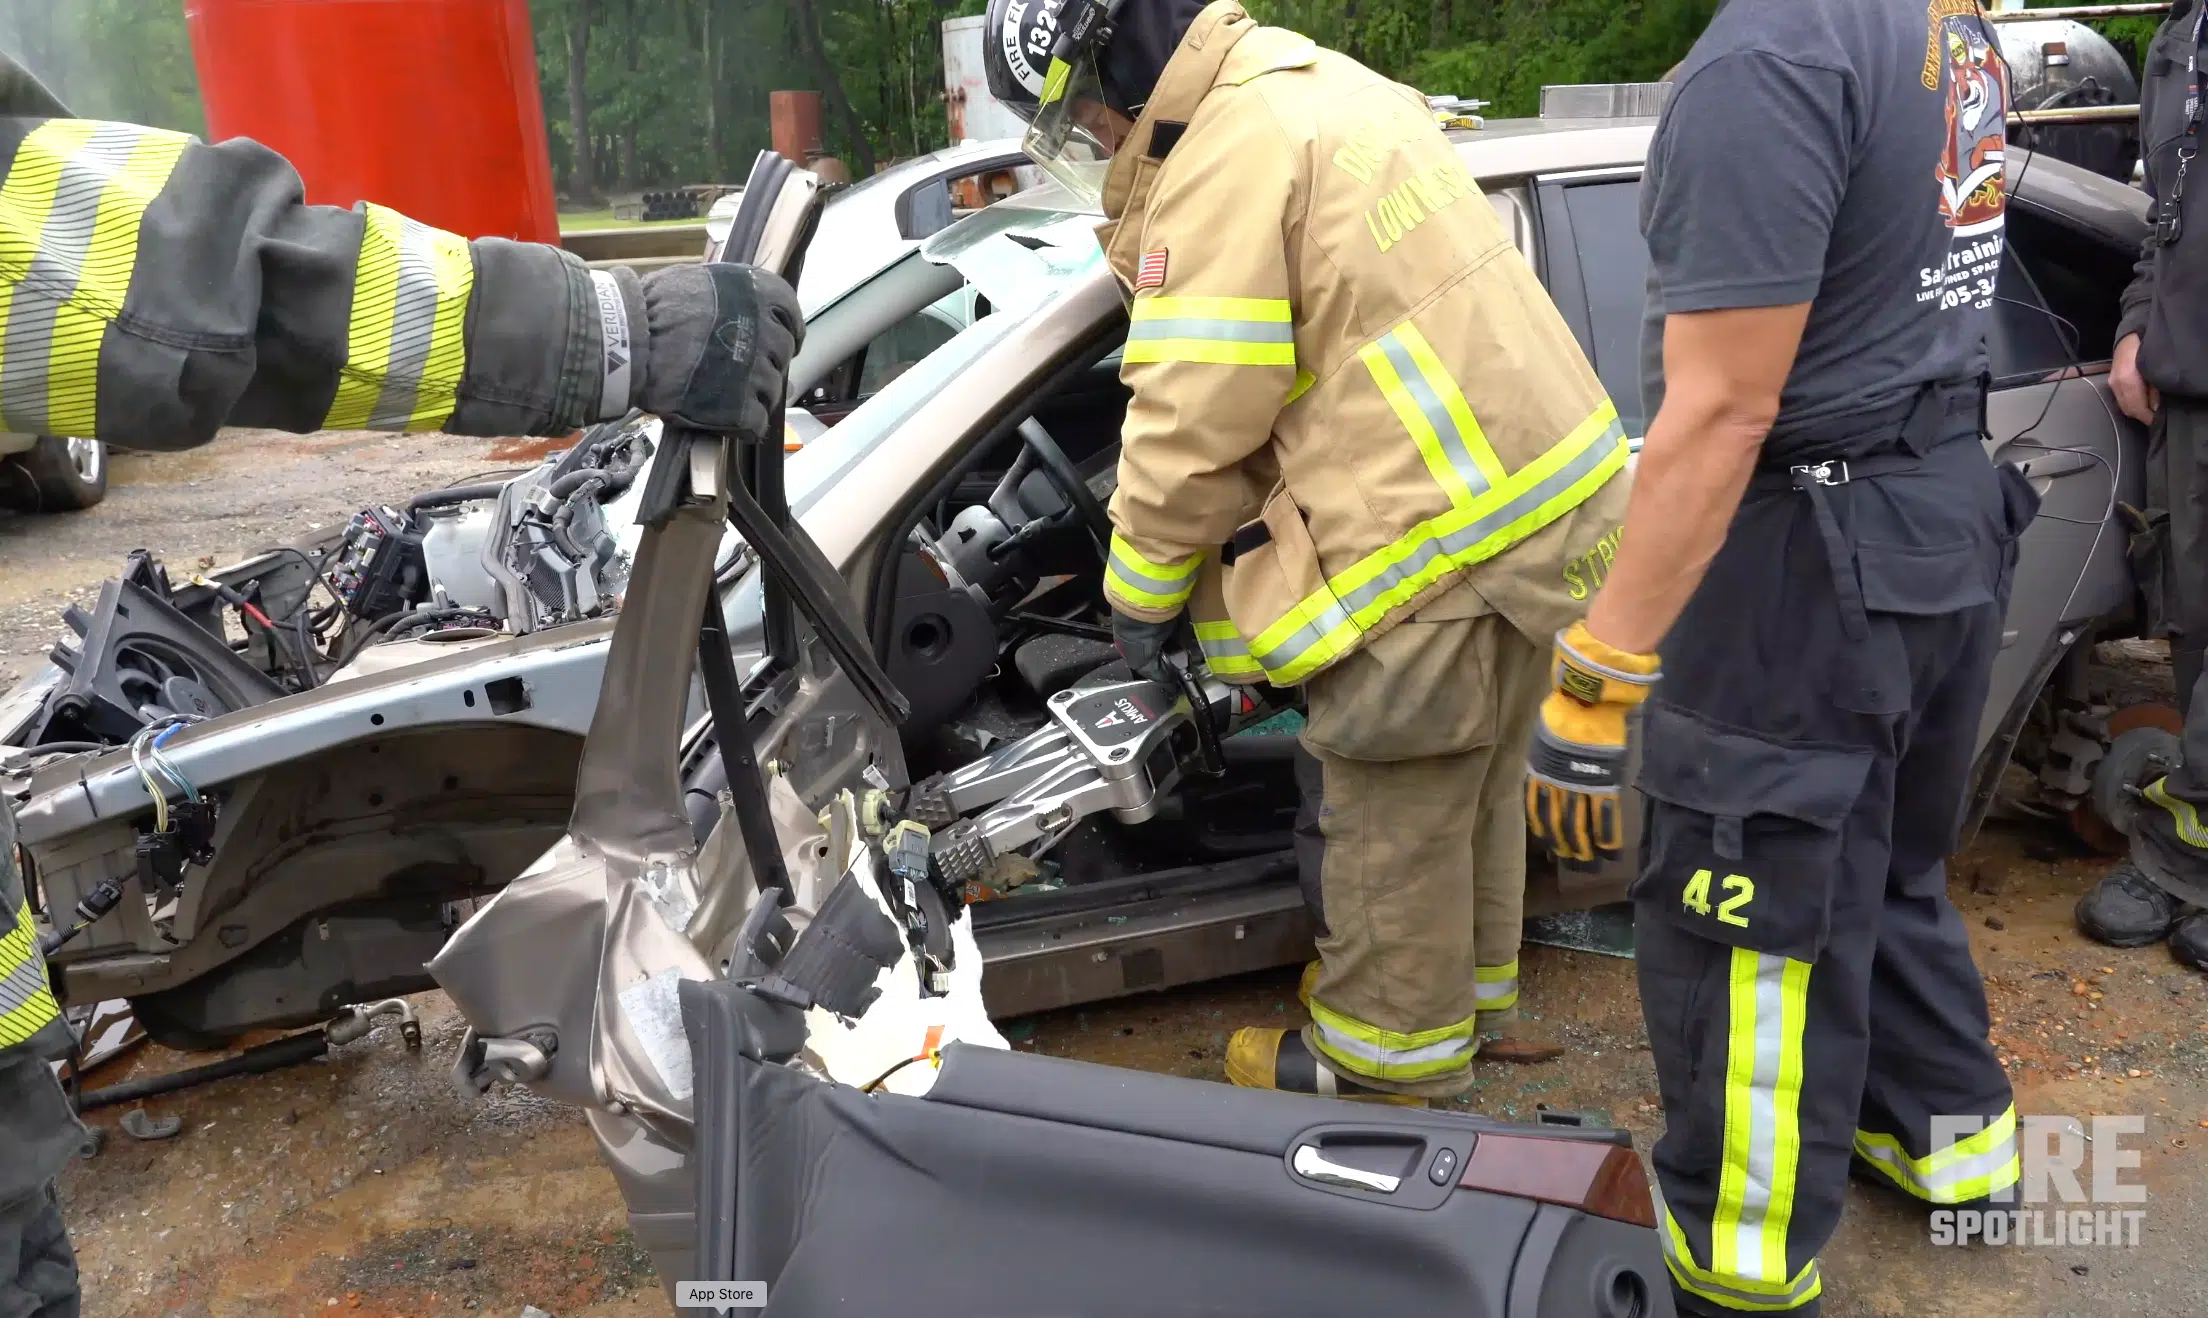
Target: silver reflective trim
<point>1707,1286</point>
<point>24,982</point>
<point>57,267</point>
<point>1141,580</point>
<point>1436,413</point>
<point>1762,1111</point>
<point>1465,538</point>
<point>1342,610</point>
<point>1204,327</point>
<point>413,327</point>
<point>1350,1045</point>
<point>1504,988</point>
<point>1939,1187</point>
<point>1330,619</point>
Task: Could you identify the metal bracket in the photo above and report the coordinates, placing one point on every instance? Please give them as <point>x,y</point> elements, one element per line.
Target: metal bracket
<point>355,1022</point>
<point>514,1060</point>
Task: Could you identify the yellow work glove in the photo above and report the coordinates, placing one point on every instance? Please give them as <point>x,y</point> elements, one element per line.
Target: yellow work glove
<point>1576,765</point>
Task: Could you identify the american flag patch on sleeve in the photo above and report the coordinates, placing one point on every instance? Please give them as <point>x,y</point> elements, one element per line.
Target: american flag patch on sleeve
<point>1152,272</point>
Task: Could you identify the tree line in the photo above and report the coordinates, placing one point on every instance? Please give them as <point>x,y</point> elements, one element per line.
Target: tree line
<point>646,93</point>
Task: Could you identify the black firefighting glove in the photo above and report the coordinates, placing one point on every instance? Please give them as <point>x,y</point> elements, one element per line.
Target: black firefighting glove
<point>1575,768</point>
<point>1143,645</point>
<point>717,346</point>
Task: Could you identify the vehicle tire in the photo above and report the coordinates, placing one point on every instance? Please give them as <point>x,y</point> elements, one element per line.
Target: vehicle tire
<point>69,475</point>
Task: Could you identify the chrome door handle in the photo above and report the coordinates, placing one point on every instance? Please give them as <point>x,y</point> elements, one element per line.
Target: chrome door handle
<point>2041,464</point>
<point>1312,1165</point>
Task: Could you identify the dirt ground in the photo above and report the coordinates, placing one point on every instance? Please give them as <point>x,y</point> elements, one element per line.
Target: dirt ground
<point>362,1184</point>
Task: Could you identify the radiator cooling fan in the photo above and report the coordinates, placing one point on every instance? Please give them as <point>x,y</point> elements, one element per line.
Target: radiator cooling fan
<point>137,659</point>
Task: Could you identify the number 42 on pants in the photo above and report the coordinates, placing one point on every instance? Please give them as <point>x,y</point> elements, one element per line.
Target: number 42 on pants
<point>1740,890</point>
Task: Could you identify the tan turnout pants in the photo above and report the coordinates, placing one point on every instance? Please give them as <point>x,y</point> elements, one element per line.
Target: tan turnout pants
<point>1421,739</point>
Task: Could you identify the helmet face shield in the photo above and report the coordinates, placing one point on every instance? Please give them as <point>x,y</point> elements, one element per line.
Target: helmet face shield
<point>1073,133</point>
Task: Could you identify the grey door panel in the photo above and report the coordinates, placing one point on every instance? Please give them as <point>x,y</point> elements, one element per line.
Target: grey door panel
<point>2071,569</point>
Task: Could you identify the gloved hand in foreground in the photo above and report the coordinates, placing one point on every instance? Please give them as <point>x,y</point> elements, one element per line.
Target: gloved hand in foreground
<point>1143,645</point>
<point>718,344</point>
<point>1576,765</point>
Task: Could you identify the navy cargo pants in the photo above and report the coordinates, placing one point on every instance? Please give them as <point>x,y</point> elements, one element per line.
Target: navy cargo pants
<point>1808,988</point>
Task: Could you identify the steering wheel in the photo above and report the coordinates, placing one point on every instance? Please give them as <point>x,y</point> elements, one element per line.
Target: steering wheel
<point>1042,452</point>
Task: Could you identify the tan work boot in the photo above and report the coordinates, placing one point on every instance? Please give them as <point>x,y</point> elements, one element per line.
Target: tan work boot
<point>1264,1058</point>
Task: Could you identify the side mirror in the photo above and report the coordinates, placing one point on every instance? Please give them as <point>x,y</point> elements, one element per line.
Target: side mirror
<point>925,210</point>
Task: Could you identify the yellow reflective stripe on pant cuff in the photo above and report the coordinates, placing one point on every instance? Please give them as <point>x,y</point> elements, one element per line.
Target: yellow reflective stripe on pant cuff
<point>405,346</point>
<point>2182,813</point>
<point>1386,1055</point>
<point>1767,1010</point>
<point>1732,1292</point>
<point>1717,1293</point>
<point>1325,625</point>
<point>1224,649</point>
<point>1971,1168</point>
<point>76,195</point>
<point>1495,988</point>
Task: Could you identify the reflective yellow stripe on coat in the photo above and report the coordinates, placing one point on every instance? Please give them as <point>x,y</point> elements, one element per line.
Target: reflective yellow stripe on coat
<point>70,212</point>
<point>26,1003</point>
<point>405,350</point>
<point>1480,524</point>
<point>1222,331</point>
<point>1225,652</point>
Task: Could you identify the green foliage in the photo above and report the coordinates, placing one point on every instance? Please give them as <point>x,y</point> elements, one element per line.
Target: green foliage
<point>111,59</point>
<point>1501,53</point>
<point>676,91</point>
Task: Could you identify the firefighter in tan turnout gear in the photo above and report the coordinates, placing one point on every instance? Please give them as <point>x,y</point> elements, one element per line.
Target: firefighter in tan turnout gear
<point>153,289</point>
<point>1362,457</point>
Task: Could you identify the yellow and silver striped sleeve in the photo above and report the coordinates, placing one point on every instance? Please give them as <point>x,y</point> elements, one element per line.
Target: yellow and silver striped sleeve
<point>154,288</point>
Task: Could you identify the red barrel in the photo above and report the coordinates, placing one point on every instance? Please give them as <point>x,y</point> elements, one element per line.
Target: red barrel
<point>430,107</point>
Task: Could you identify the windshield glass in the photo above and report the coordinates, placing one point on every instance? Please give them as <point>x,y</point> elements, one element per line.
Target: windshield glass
<point>1016,261</point>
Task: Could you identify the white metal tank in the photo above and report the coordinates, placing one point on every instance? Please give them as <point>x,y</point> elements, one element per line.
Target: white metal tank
<point>976,116</point>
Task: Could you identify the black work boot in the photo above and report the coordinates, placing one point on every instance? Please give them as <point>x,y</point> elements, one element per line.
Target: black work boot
<point>2128,909</point>
<point>2189,940</point>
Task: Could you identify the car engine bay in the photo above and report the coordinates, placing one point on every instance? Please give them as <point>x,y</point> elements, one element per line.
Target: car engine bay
<point>1041,764</point>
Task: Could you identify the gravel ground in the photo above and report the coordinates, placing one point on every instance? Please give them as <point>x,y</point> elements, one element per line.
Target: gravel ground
<point>246,491</point>
<point>362,1185</point>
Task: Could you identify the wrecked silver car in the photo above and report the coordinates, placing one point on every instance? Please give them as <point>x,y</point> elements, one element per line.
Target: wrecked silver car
<point>396,736</point>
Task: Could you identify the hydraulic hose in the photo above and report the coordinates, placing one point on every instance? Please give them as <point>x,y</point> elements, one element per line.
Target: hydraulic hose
<point>398,622</point>
<point>455,494</point>
<point>273,1056</point>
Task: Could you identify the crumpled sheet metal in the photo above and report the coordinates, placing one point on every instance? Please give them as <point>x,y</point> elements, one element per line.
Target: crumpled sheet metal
<point>631,941</point>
